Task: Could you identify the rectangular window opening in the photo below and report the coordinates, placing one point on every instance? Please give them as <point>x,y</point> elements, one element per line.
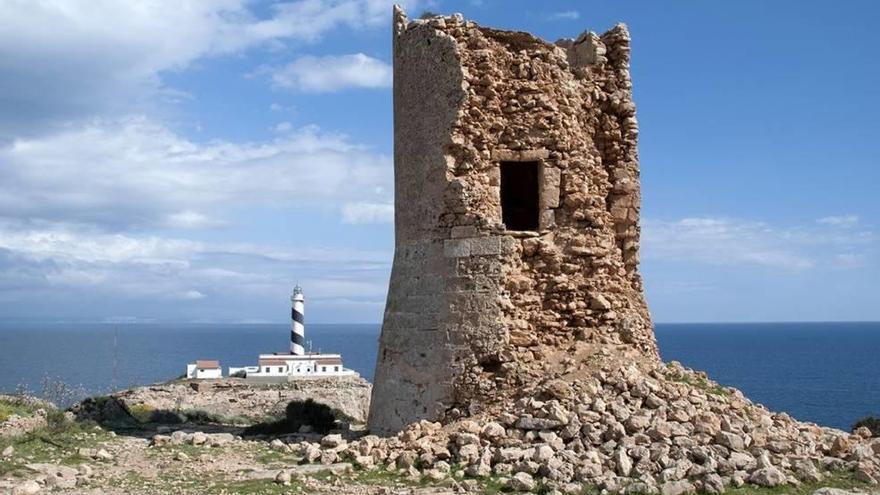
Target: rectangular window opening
<point>520,195</point>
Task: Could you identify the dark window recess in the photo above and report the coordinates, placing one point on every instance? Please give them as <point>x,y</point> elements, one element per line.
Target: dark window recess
<point>519,195</point>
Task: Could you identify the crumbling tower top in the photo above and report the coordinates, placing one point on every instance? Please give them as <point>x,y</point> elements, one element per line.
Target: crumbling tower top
<point>517,216</point>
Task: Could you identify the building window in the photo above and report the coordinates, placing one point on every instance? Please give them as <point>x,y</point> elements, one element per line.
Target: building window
<point>336,368</point>
<point>323,369</point>
<point>520,193</point>
<point>267,369</point>
<point>281,369</point>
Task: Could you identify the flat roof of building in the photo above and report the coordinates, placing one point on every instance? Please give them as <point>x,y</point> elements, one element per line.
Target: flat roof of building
<point>207,363</point>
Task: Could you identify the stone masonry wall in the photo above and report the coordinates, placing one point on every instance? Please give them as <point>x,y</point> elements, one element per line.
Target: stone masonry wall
<point>476,311</point>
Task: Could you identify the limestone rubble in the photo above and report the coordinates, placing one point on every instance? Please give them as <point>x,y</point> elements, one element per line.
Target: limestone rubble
<point>625,428</point>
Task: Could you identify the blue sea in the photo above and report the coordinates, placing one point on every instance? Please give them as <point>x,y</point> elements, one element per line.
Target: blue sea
<point>823,372</point>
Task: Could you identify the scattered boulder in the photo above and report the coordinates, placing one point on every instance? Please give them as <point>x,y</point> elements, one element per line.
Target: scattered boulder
<point>283,478</point>
<point>29,487</point>
<point>768,476</point>
<point>521,482</point>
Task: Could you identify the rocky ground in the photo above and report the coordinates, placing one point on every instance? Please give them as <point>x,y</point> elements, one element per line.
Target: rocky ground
<point>240,400</point>
<point>664,430</point>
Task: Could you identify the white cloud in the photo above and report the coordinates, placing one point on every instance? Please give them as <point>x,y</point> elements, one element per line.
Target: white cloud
<point>368,213</point>
<point>840,221</point>
<point>726,241</point>
<point>191,295</point>
<point>569,15</point>
<point>64,60</point>
<point>129,266</point>
<point>332,73</point>
<point>135,173</point>
<point>192,220</point>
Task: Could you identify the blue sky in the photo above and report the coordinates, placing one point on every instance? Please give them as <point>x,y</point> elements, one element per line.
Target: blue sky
<point>191,161</point>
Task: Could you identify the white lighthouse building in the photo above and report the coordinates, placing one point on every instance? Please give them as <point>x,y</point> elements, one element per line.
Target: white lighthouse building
<point>284,366</point>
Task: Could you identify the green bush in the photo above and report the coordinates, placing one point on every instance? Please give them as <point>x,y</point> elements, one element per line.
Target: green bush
<point>57,422</point>
<point>5,411</point>
<point>141,412</point>
<point>10,407</point>
<point>320,417</point>
<point>871,422</point>
<point>165,417</point>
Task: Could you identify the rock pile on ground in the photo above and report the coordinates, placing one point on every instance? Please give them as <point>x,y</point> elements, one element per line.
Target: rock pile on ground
<point>664,429</point>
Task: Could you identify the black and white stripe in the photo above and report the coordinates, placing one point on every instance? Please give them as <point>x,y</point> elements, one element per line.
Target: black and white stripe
<point>297,328</point>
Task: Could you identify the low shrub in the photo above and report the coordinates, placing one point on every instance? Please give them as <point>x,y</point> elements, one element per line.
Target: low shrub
<point>320,417</point>
<point>871,422</point>
<point>166,417</point>
<point>14,406</point>
<point>141,412</point>
<point>6,410</point>
<point>57,422</point>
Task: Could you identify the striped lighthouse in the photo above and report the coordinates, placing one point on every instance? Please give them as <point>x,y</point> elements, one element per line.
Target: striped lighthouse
<point>297,326</point>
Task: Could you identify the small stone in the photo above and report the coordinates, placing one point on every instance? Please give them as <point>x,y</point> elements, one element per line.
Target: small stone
<point>181,456</point>
<point>160,440</point>
<point>712,483</point>
<point>521,482</point>
<point>277,444</point>
<point>676,488</point>
<point>311,453</point>
<point>542,454</point>
<point>768,476</point>
<point>435,475</point>
<point>622,462</point>
<point>528,423</point>
<point>730,440</point>
<point>866,475</point>
<point>862,431</point>
<point>198,438</point>
<point>103,455</point>
<point>332,441</point>
<point>29,487</point>
<point>479,470</point>
<point>283,478</point>
<point>598,301</point>
<point>7,452</point>
<point>493,430</point>
<point>178,437</point>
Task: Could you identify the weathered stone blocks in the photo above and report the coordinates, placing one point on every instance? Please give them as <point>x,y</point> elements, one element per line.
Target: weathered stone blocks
<point>498,302</point>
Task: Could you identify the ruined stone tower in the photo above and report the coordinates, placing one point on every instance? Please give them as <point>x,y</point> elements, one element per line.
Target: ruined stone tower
<point>516,212</point>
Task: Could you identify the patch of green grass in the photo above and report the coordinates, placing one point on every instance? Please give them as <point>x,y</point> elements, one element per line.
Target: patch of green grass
<point>57,442</point>
<point>382,477</point>
<point>200,416</point>
<point>192,451</point>
<point>133,481</point>
<point>841,479</point>
<point>10,407</point>
<point>491,485</point>
<point>252,487</point>
<point>700,383</point>
<point>273,458</point>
